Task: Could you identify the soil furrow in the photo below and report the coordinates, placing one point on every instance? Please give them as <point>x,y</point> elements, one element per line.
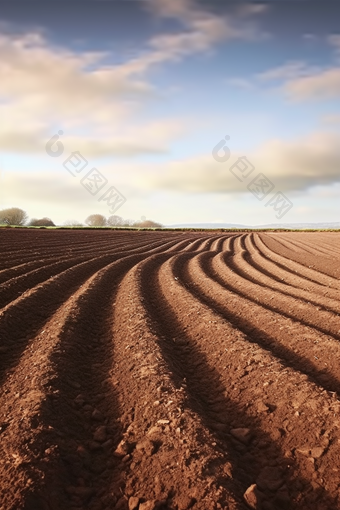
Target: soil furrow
<point>157,412</point>
<point>155,370</point>
<point>294,308</point>
<point>240,362</point>
<point>295,268</point>
<point>297,345</point>
<point>250,266</point>
<point>70,402</point>
<point>307,261</point>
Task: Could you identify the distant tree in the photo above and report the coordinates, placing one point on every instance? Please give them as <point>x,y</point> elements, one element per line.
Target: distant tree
<point>129,223</point>
<point>115,221</point>
<point>43,222</point>
<point>73,223</point>
<point>118,221</point>
<point>148,224</point>
<point>13,216</point>
<point>96,220</point>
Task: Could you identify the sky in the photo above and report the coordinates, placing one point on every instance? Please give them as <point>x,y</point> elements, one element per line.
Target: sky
<point>178,111</point>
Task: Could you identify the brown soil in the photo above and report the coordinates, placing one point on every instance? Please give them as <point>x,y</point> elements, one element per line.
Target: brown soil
<point>169,370</point>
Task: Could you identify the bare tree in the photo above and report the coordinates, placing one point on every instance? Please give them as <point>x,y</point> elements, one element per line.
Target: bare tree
<point>148,224</point>
<point>96,220</point>
<point>73,223</point>
<point>115,221</point>
<point>129,223</point>
<point>43,222</point>
<point>13,216</point>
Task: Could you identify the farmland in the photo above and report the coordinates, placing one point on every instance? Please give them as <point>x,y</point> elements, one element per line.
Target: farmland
<point>169,370</point>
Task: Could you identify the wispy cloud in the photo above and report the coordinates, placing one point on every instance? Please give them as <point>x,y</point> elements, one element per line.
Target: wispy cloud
<point>290,70</point>
<point>318,86</point>
<point>202,30</point>
<point>42,85</point>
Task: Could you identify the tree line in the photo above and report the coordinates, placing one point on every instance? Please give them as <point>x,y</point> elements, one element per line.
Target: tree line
<point>18,217</point>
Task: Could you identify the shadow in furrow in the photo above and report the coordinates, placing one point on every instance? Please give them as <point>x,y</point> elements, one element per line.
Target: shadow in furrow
<point>189,364</point>
<point>248,256</point>
<point>21,320</point>
<point>282,266</point>
<point>283,263</point>
<point>255,333</point>
<point>306,262</point>
<point>228,260</point>
<point>83,403</point>
<point>17,286</point>
<point>247,267</point>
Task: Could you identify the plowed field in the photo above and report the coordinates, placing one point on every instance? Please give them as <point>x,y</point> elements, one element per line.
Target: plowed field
<point>169,370</point>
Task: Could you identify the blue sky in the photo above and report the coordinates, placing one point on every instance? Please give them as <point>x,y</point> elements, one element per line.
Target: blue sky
<point>145,90</point>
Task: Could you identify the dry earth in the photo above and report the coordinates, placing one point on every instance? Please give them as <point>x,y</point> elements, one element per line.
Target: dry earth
<point>169,370</point>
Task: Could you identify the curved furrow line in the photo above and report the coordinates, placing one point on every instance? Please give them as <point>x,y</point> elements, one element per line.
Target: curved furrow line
<point>293,242</point>
<point>218,244</point>
<point>154,246</point>
<point>199,243</point>
<point>315,262</point>
<point>180,245</point>
<point>28,267</point>
<point>228,244</point>
<point>52,240</point>
<point>233,274</point>
<point>100,241</point>
<point>16,286</point>
<point>282,240</point>
<point>166,437</point>
<point>254,257</point>
<point>193,333</point>
<point>294,343</point>
<point>248,266</point>
<point>303,242</point>
<point>23,268</point>
<point>295,267</point>
<point>22,318</point>
<point>274,271</point>
<point>214,241</point>
<point>330,250</point>
<point>70,251</point>
<point>74,401</point>
<point>312,248</point>
<point>13,288</point>
<point>55,421</point>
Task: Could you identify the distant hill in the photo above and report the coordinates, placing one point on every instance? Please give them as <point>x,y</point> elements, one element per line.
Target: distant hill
<point>297,226</point>
<point>206,225</point>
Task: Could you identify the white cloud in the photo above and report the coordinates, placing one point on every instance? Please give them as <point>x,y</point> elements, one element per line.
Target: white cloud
<point>322,85</point>
<point>290,70</point>
<point>44,87</point>
<point>301,82</point>
<point>290,165</point>
<point>148,138</point>
<point>250,9</point>
<point>202,30</point>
